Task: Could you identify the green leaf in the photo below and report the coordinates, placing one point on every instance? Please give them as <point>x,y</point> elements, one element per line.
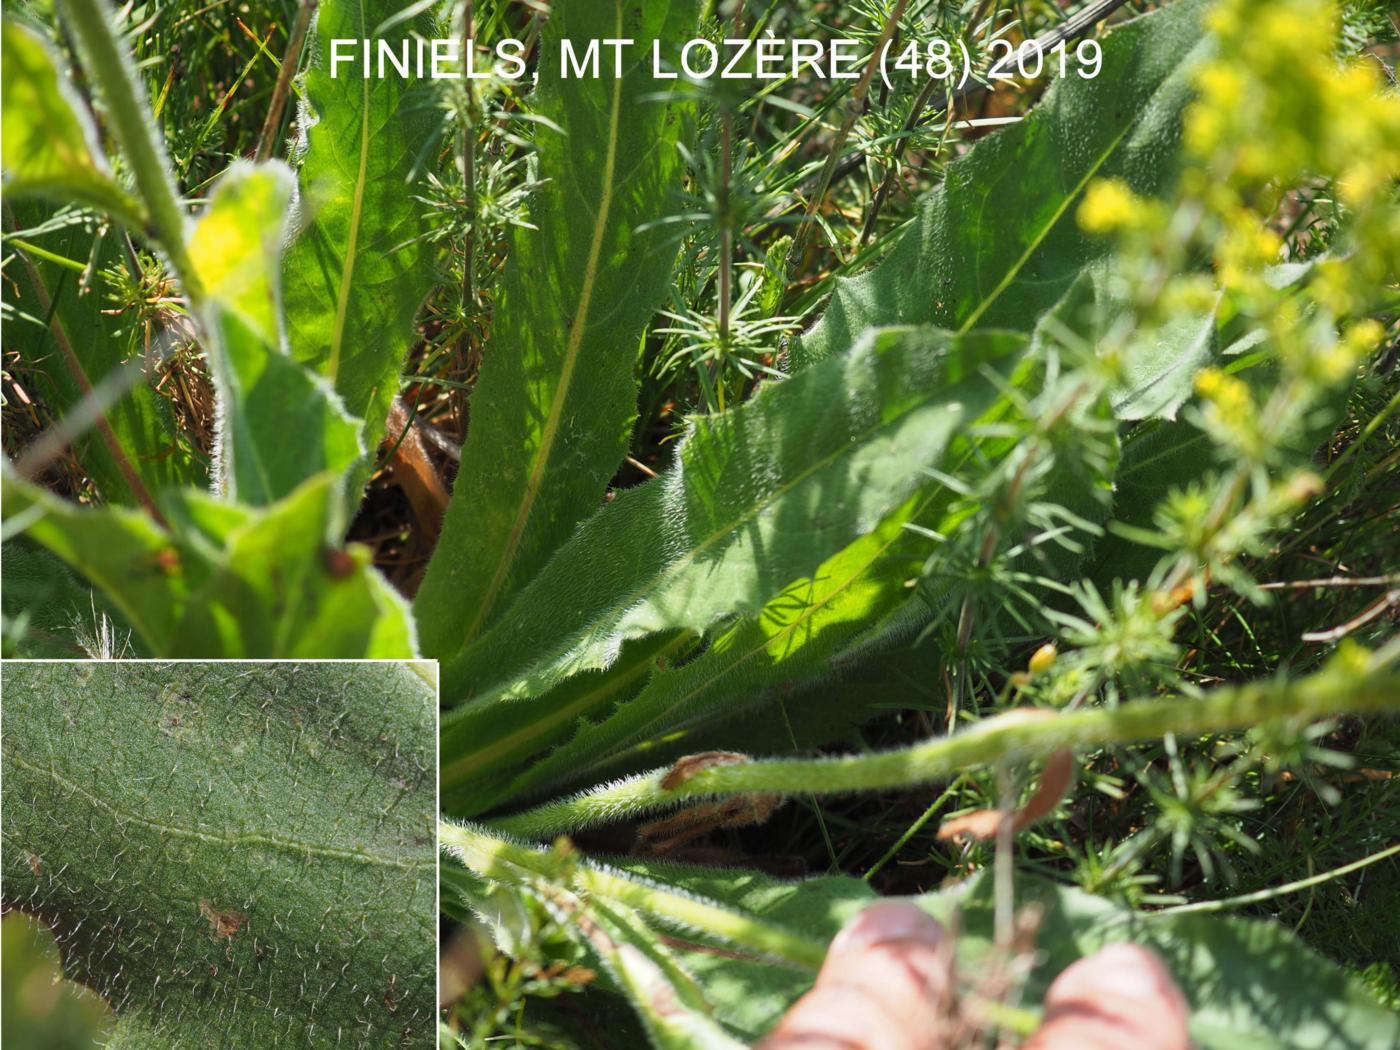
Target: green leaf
<point>229,581</point>
<point>234,855</point>
<point>484,745</point>
<point>1157,456</point>
<point>50,614</point>
<point>797,633</point>
<point>280,422</point>
<point>358,269</point>
<point>1249,984</point>
<point>555,401</point>
<point>1157,363</point>
<point>997,244</point>
<point>749,995</point>
<point>665,996</point>
<point>49,146</point>
<point>759,496</point>
<point>68,343</point>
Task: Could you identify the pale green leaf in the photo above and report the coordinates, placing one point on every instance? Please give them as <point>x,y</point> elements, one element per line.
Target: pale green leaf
<point>280,423</point>
<point>48,144</point>
<point>758,497</point>
<point>666,997</point>
<point>229,581</point>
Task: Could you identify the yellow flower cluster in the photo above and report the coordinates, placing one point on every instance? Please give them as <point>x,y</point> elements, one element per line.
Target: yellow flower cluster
<point>1276,105</point>
<point>1231,411</point>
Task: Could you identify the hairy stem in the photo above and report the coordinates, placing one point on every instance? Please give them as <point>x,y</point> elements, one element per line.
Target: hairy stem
<point>91,22</point>
<point>1013,734</point>
<point>500,858</point>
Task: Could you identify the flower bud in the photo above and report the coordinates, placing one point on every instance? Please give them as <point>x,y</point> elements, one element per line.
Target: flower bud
<point>1043,657</point>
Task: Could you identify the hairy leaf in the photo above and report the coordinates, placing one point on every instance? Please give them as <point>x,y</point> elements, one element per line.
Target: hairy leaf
<point>229,581</point>
<point>280,422</point>
<point>758,497</point>
<point>235,855</point>
<point>556,398</point>
<point>997,242</point>
<point>358,269</point>
<point>49,146</point>
<point>665,996</point>
<point>797,634</point>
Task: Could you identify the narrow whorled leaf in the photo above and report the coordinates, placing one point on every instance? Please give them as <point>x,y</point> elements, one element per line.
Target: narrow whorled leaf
<point>758,497</point>
<point>358,269</point>
<point>70,340</point>
<point>234,855</point>
<point>49,146</point>
<point>555,401</point>
<point>997,242</point>
<point>280,423</point>
<point>229,581</point>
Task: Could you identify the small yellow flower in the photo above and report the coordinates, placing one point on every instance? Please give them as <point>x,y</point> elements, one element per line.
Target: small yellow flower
<point>1109,205</point>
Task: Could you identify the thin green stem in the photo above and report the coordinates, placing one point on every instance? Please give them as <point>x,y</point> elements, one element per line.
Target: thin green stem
<point>91,23</point>
<point>1022,735</point>
<point>499,858</point>
<point>1279,891</point>
<point>913,828</point>
<point>814,203</point>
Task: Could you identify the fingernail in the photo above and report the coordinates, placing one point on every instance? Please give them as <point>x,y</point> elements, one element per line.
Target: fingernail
<point>887,921</point>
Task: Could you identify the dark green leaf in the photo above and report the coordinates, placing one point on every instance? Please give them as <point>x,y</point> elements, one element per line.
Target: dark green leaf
<point>997,243</point>
<point>555,401</point>
<point>69,340</point>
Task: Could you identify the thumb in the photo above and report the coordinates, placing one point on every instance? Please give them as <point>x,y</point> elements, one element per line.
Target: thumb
<point>1120,997</point>
<point>887,984</point>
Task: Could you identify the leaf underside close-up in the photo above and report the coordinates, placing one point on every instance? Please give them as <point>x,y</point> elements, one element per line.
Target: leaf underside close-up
<point>236,855</point>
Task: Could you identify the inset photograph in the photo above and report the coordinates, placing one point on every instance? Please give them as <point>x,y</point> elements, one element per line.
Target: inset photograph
<point>230,854</point>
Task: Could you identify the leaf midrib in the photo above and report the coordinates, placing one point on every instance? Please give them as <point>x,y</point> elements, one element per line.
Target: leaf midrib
<point>265,840</point>
<point>658,580</point>
<point>921,505</point>
<point>1054,219</point>
<point>566,375</point>
<point>347,269</point>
